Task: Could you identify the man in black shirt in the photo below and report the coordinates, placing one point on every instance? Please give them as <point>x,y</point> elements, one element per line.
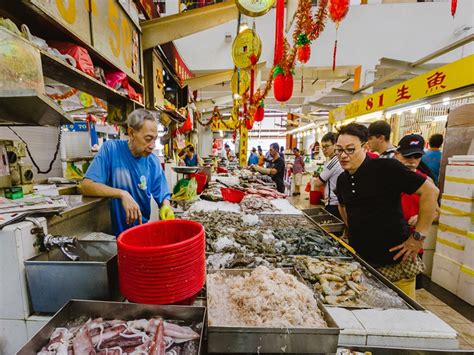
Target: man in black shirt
<point>369,201</point>
<point>277,167</point>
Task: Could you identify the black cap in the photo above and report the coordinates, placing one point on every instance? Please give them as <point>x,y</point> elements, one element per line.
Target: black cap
<point>411,144</point>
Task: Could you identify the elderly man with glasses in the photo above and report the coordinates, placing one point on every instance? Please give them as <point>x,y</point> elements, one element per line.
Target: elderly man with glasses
<point>369,193</point>
<point>328,177</point>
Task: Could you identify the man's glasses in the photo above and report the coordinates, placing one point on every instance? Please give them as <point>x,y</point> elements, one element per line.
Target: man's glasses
<point>348,151</point>
<point>326,146</point>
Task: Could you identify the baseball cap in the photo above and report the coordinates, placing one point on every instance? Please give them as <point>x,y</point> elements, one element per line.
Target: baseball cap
<point>411,144</point>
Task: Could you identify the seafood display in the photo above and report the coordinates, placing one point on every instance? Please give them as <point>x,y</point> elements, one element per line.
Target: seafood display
<point>248,261</point>
<point>262,298</point>
<point>237,233</point>
<point>118,337</point>
<point>343,283</point>
<point>256,204</point>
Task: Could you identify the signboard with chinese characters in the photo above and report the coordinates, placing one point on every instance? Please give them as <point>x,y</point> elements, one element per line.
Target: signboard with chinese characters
<point>116,37</point>
<point>179,66</point>
<point>72,14</point>
<point>446,78</point>
<point>243,145</point>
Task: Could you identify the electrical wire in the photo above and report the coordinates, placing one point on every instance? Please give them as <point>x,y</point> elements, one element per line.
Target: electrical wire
<point>38,170</point>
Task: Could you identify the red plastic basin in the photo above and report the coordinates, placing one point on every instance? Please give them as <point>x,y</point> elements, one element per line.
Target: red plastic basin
<point>232,195</point>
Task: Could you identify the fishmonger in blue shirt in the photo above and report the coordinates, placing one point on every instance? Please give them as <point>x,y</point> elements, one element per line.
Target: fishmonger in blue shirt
<point>130,174</point>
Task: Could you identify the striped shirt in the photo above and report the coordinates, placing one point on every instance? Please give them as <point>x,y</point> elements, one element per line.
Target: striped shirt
<point>332,170</point>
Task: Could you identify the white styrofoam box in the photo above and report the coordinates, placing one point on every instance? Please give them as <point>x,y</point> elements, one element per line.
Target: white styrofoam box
<point>468,258</point>
<point>450,244</point>
<point>412,343</point>
<point>352,332</point>
<point>461,159</point>
<point>406,328</point>
<point>457,212</point>
<point>12,336</point>
<point>459,180</point>
<point>16,245</point>
<point>430,242</point>
<point>35,323</point>
<point>466,285</point>
<point>428,256</point>
<point>445,272</point>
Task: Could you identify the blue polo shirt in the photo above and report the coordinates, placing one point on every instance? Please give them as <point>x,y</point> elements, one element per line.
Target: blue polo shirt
<point>432,158</point>
<point>142,177</point>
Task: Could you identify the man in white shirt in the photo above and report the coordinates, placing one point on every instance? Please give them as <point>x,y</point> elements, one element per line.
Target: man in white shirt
<point>332,170</point>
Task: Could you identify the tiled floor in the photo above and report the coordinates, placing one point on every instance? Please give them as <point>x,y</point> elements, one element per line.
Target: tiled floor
<point>461,323</point>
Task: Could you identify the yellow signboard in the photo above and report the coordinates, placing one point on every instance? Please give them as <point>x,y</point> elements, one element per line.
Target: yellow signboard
<point>219,124</point>
<point>243,145</point>
<point>446,78</point>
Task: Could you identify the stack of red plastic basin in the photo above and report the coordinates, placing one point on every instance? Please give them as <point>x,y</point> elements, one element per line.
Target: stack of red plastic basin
<point>162,262</point>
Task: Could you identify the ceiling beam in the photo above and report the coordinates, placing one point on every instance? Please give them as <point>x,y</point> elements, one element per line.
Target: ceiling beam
<point>169,28</point>
<point>203,81</point>
<point>429,57</point>
<point>346,92</point>
<point>403,65</point>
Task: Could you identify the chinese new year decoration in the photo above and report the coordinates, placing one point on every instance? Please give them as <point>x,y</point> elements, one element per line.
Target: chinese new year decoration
<point>338,9</point>
<point>454,5</point>
<point>282,84</point>
<point>303,45</point>
<point>259,112</point>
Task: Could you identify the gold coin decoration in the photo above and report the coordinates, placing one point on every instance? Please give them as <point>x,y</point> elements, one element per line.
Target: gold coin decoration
<point>246,44</point>
<point>254,8</point>
<point>242,80</point>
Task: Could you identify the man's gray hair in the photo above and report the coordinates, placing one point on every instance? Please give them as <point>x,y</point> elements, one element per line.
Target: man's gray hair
<point>137,118</point>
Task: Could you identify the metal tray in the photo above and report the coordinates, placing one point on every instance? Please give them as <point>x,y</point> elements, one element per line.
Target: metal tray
<point>75,309</point>
<point>317,211</point>
<point>185,169</point>
<point>53,279</point>
<point>336,225</point>
<point>225,340</point>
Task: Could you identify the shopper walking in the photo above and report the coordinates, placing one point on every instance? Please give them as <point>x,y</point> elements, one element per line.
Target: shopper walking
<point>277,168</point>
<point>379,139</point>
<point>369,193</point>
<point>253,158</point>
<point>261,157</point>
<point>331,171</point>
<point>298,170</point>
<point>432,158</point>
<point>129,173</point>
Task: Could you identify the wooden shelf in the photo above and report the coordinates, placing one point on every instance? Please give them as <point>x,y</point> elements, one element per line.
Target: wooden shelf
<point>45,26</point>
<point>32,110</point>
<point>62,72</point>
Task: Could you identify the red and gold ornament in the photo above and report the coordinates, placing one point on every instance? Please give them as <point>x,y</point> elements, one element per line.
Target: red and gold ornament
<point>260,112</point>
<point>282,84</point>
<point>454,5</point>
<point>338,9</point>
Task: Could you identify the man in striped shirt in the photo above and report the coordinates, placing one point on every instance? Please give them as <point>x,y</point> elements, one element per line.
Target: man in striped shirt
<point>332,170</point>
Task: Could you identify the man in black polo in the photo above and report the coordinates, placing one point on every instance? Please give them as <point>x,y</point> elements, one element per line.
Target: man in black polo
<point>369,201</point>
<point>276,169</point>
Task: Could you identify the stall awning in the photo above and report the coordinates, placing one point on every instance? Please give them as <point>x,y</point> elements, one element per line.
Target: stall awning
<point>437,81</point>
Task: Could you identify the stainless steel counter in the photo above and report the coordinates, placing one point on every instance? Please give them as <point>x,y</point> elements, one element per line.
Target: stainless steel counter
<point>83,216</point>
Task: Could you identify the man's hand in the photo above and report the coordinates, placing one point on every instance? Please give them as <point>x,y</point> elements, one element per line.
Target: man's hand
<point>166,212</point>
<point>252,167</point>
<point>132,210</point>
<point>408,249</point>
<point>413,220</point>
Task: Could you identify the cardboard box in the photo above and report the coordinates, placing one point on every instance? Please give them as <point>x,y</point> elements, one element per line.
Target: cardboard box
<point>450,244</point>
<point>465,289</point>
<point>446,272</point>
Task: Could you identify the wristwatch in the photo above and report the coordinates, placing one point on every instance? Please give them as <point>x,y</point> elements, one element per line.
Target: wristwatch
<point>418,236</point>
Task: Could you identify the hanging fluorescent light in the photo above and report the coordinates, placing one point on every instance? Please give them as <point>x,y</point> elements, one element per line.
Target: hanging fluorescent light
<point>413,110</point>
<point>427,106</point>
<point>221,133</point>
<point>446,101</point>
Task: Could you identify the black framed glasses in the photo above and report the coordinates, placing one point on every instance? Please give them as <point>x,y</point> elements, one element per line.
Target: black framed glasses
<point>326,146</point>
<point>348,151</point>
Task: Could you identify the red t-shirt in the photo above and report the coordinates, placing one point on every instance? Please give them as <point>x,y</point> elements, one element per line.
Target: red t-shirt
<point>411,206</point>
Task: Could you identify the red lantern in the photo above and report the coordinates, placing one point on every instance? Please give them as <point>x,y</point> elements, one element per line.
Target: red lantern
<point>279,31</point>
<point>249,123</point>
<point>260,113</point>
<point>282,85</point>
<point>454,5</point>
<point>304,52</point>
<point>338,9</point>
